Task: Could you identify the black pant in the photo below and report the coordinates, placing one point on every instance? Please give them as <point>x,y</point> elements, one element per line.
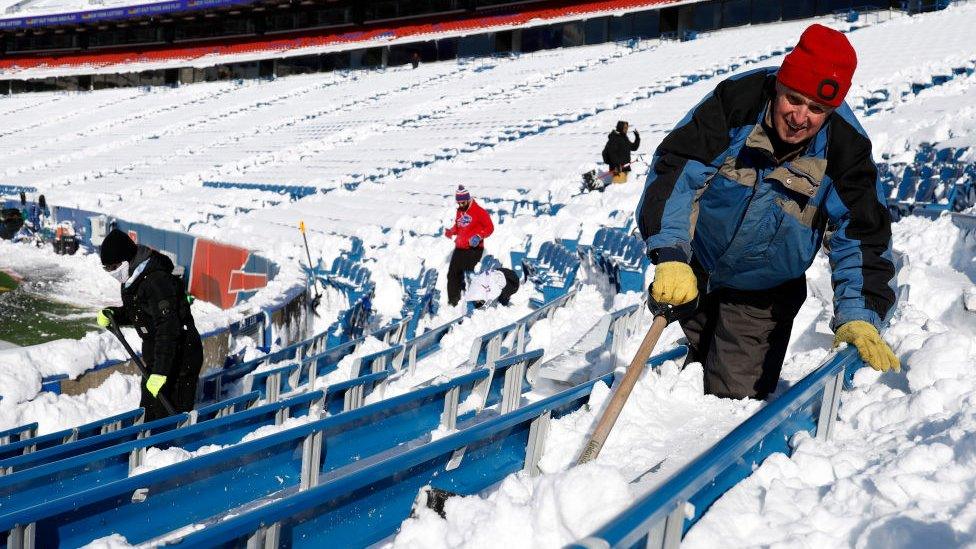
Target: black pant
<point>740,336</point>
<point>462,261</point>
<point>181,382</point>
<point>511,286</point>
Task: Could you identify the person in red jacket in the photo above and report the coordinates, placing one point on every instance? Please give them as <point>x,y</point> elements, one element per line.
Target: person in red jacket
<point>472,225</point>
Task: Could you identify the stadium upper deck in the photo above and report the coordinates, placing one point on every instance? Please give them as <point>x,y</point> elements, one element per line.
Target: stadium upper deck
<point>180,41</point>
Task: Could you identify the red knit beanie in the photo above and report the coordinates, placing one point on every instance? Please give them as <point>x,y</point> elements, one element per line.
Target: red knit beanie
<point>820,66</point>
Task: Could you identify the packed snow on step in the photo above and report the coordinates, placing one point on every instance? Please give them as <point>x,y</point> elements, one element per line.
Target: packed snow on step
<point>117,394</point>
<point>668,420</point>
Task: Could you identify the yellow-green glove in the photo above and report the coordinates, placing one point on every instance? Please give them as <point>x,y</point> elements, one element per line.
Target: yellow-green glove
<point>104,317</point>
<point>874,351</point>
<point>155,383</point>
<point>674,283</point>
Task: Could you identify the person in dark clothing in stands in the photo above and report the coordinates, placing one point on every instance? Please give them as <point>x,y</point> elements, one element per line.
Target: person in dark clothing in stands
<point>154,301</point>
<point>744,191</point>
<point>494,285</point>
<point>472,225</point>
<point>616,153</point>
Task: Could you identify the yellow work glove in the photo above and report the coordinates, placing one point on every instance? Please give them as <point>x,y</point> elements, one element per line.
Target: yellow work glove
<point>874,351</point>
<point>674,283</point>
<point>104,318</point>
<point>155,383</point>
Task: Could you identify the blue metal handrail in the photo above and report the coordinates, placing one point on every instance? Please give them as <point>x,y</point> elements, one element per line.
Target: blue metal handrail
<point>706,478</point>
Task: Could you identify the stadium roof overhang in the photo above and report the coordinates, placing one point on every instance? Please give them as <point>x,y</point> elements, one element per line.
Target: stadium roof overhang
<point>158,12</point>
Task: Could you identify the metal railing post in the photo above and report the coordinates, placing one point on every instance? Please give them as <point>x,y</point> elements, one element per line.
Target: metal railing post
<point>451,402</point>
<point>266,537</point>
<point>829,406</point>
<point>536,444</point>
<point>311,460</point>
<point>22,536</point>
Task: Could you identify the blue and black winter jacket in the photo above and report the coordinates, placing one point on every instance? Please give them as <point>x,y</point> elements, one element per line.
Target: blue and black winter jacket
<point>717,194</point>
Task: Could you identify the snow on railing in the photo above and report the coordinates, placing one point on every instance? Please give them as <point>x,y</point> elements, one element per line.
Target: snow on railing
<point>513,338</point>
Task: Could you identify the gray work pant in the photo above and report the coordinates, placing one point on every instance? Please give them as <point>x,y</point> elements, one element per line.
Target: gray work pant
<point>740,336</point>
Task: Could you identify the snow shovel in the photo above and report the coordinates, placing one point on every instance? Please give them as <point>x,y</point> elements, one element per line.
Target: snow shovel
<point>315,283</point>
<point>619,398</point>
<point>114,328</point>
<point>663,315</point>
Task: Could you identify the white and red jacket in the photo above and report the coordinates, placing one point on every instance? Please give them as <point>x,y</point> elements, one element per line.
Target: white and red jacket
<point>467,223</point>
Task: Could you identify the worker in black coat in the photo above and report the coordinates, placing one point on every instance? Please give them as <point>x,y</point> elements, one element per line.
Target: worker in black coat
<point>616,153</point>
<point>154,301</point>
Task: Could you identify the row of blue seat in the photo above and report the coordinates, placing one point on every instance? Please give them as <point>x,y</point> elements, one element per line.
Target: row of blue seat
<point>420,298</point>
<point>367,372</point>
<point>485,349</point>
<point>619,255</point>
<point>369,504</point>
<point>661,517</point>
<point>23,439</point>
<point>512,338</point>
<point>553,271</point>
<point>878,100</point>
<point>214,386</point>
<point>500,208</point>
<point>294,192</point>
<point>272,382</point>
<point>49,453</point>
<point>96,496</point>
<point>938,180</point>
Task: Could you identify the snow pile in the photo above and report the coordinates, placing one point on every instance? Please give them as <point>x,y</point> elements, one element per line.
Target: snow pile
<point>119,393</point>
<point>668,419</point>
<point>115,541</point>
<point>901,468</point>
<point>546,511</point>
<point>22,368</point>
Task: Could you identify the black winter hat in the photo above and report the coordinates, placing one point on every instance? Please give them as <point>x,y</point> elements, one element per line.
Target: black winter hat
<point>116,248</point>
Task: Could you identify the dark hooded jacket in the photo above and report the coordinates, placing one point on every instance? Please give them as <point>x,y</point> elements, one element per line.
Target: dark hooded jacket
<point>154,302</point>
<point>616,152</point>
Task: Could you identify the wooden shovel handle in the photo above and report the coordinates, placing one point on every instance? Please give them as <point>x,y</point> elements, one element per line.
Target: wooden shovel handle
<point>622,392</point>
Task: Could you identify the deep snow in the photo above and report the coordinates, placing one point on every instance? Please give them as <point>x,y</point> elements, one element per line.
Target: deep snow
<point>526,128</point>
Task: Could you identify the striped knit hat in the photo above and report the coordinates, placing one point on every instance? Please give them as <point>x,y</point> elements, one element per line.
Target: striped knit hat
<point>462,194</point>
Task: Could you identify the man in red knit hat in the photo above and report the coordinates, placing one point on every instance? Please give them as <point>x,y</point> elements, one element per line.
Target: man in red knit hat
<point>744,191</point>
<point>472,225</point>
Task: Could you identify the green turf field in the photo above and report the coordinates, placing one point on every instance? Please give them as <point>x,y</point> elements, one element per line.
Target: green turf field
<point>28,319</point>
